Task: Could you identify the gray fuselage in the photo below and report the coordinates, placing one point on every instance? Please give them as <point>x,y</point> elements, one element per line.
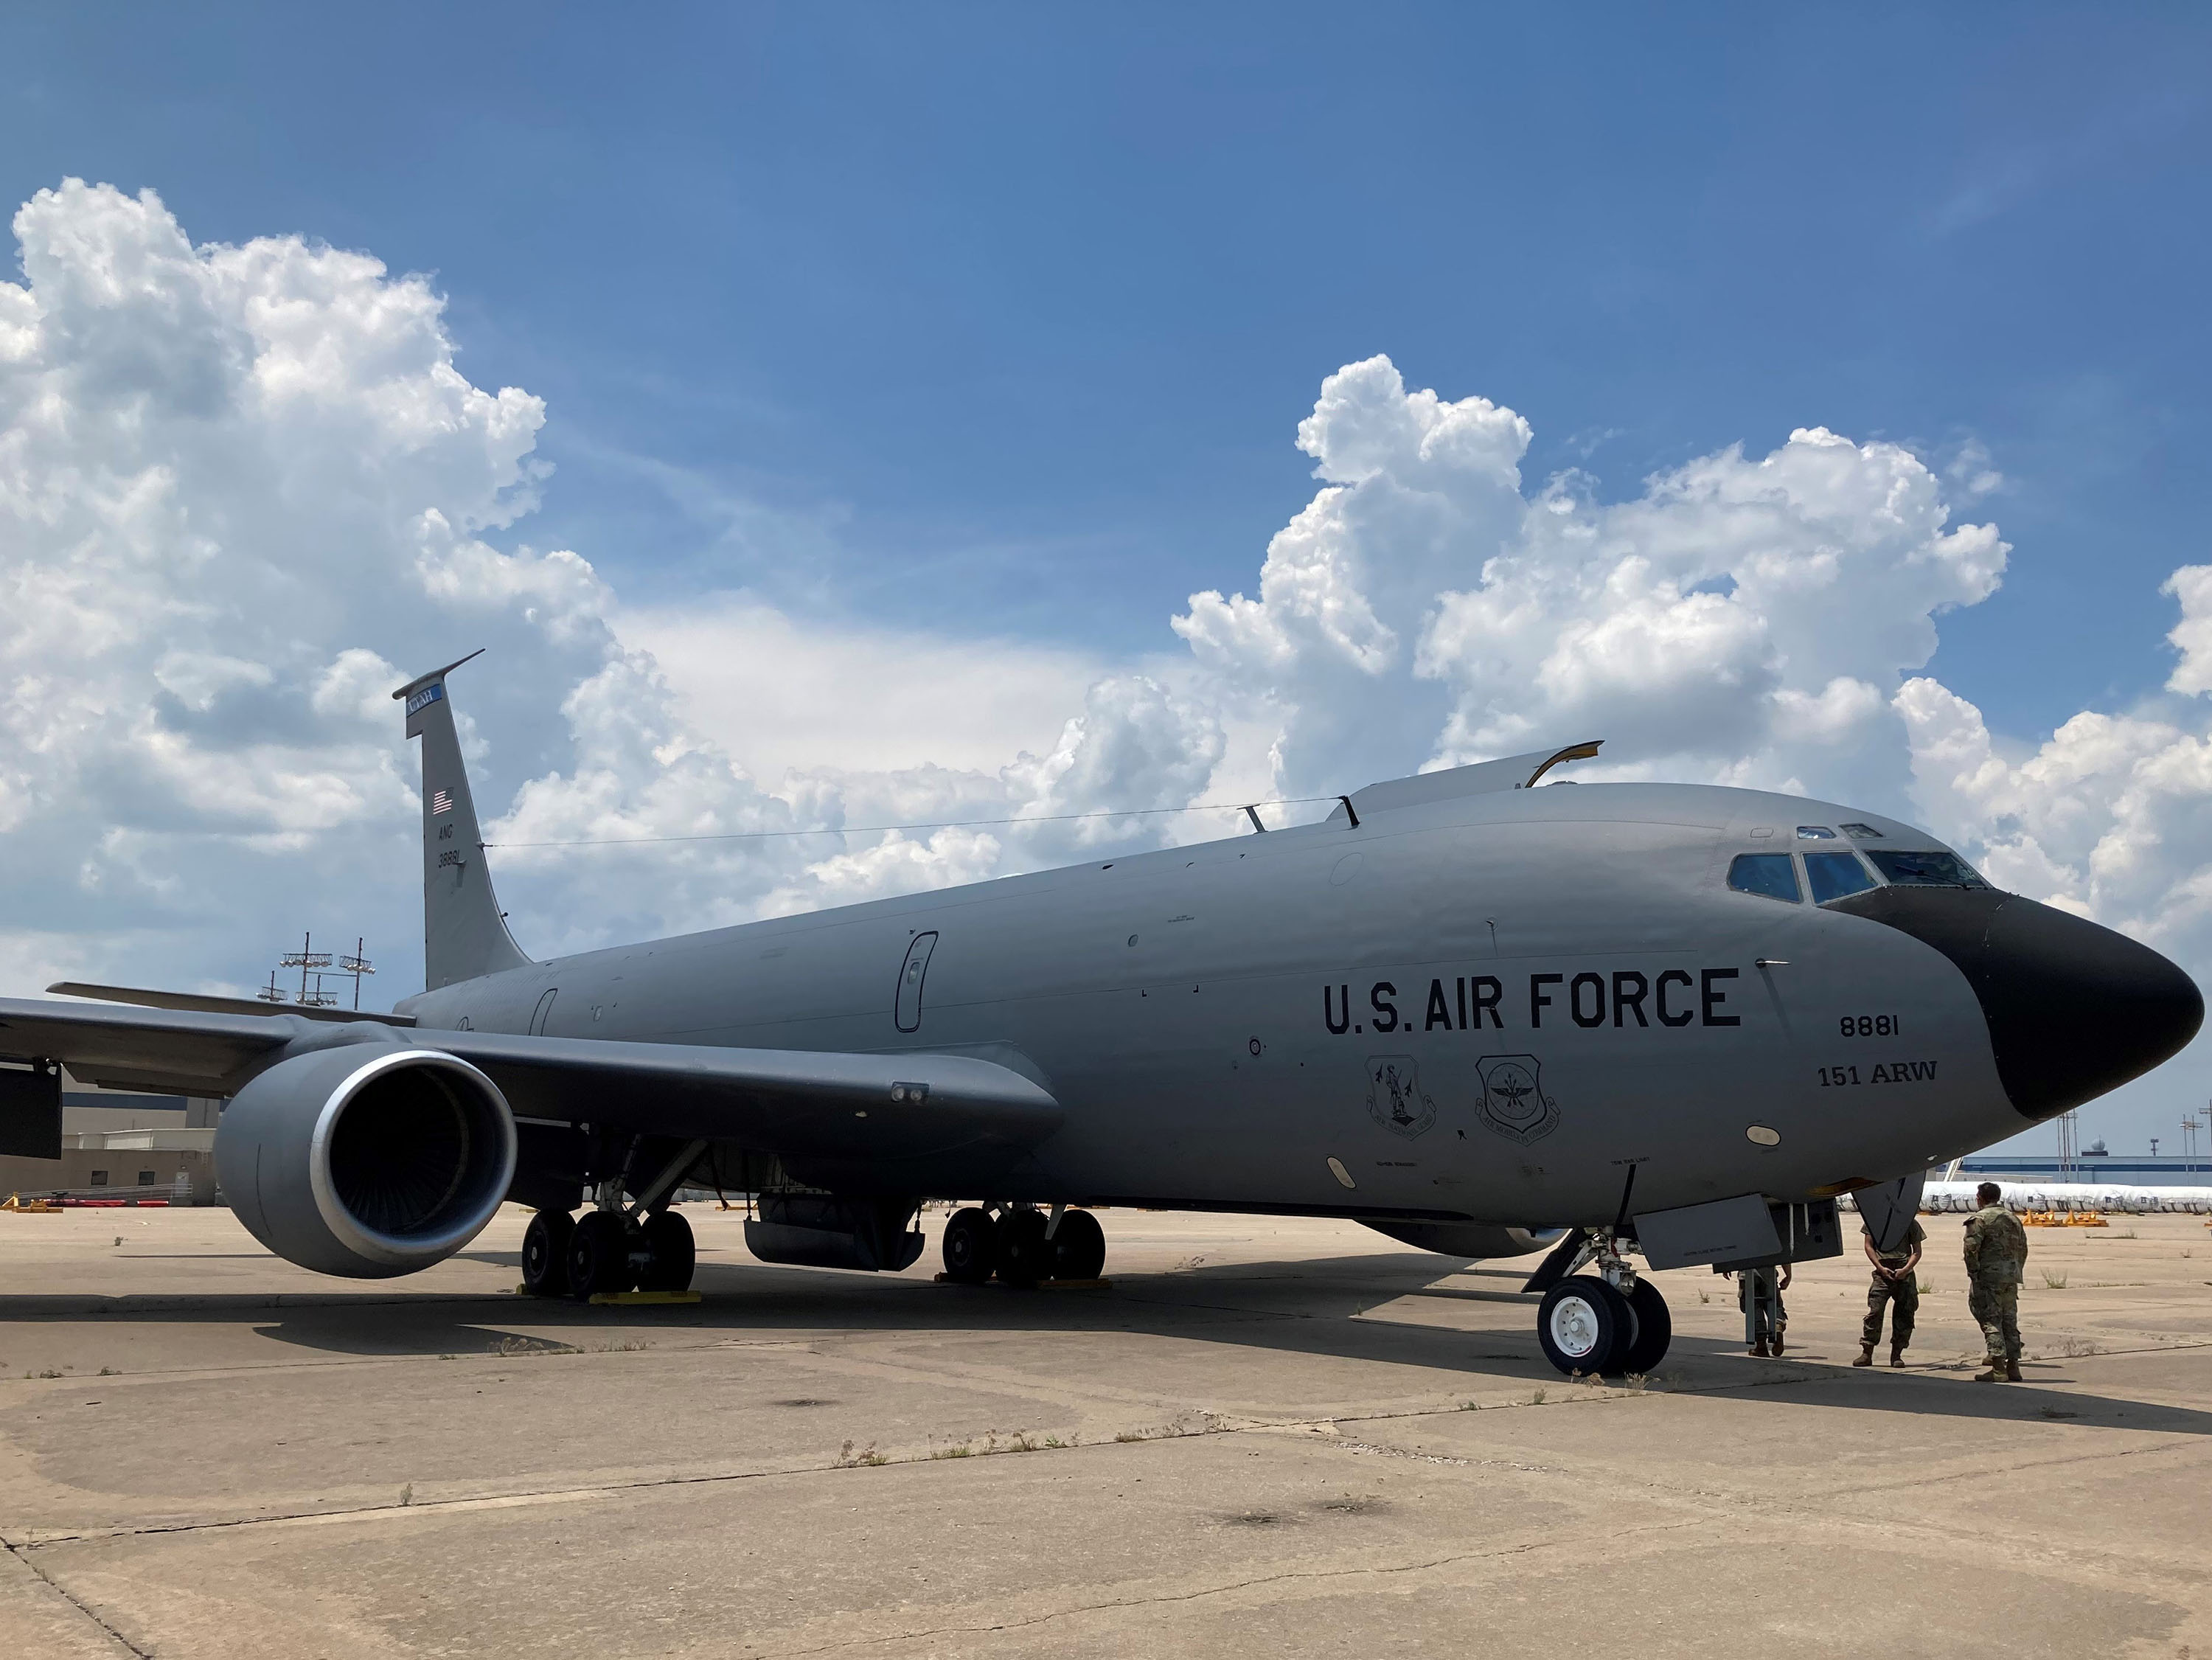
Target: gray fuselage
<point>1490,1007</point>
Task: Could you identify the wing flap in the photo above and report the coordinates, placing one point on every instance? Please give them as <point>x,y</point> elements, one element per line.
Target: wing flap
<point>193,1052</point>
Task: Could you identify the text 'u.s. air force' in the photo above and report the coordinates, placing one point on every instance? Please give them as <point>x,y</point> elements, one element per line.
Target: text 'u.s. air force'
<point>1622,998</point>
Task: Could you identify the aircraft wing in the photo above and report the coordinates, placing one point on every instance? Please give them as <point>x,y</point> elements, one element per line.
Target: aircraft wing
<point>785,1101</point>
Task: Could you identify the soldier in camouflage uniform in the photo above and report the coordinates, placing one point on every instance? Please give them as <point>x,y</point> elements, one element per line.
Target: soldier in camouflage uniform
<point>1997,1252</point>
<point>1896,1288</point>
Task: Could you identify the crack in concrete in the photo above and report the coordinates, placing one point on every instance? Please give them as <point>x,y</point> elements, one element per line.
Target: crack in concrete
<point>79,1604</point>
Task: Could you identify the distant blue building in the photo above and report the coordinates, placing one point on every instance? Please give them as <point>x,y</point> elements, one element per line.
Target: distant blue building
<point>2138,1169</point>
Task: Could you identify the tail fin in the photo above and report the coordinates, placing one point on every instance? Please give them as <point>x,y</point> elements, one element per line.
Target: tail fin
<point>464,934</point>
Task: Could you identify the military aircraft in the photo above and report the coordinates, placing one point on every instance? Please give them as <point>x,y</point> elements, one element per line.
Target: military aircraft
<point>1478,1009</point>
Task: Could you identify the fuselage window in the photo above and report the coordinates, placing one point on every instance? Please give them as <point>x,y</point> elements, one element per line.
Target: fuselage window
<point>1815,833</point>
<point>1861,832</point>
<point>1925,870</point>
<point>1769,875</point>
<point>1832,875</point>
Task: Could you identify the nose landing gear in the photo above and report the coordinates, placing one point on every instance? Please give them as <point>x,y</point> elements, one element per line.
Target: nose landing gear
<point>1604,1323</point>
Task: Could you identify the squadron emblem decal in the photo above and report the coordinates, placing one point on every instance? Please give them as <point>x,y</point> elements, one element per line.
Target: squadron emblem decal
<point>1394,1097</point>
<point>1513,1099</point>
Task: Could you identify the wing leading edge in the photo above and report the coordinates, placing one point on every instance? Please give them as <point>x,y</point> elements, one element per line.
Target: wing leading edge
<point>794,1102</point>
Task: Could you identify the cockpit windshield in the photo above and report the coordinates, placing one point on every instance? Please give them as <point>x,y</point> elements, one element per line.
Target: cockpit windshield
<point>1924,870</point>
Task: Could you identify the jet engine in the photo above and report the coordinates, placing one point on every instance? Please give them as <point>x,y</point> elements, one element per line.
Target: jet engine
<point>1467,1238</point>
<point>367,1160</point>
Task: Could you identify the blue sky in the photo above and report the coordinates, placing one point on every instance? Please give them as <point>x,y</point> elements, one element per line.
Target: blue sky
<point>1002,313</point>
<point>975,339</point>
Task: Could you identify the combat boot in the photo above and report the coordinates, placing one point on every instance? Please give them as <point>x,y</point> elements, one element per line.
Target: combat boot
<point>1758,1351</point>
<point>1897,1354</point>
<point>1866,1355</point>
<point>1998,1367</point>
<point>2012,1372</point>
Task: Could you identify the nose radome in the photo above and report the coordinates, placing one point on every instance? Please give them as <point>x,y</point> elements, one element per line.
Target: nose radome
<point>2074,1009</point>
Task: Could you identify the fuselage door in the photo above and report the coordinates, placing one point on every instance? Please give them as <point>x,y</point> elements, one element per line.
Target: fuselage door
<point>909,981</point>
<point>540,1014</point>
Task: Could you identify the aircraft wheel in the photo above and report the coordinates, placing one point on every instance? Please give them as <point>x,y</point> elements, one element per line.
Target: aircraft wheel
<point>670,1254</point>
<point>1582,1325</point>
<point>1078,1247</point>
<point>1655,1329</point>
<point>970,1246</point>
<point>598,1255</point>
<point>545,1253</point>
<point>1025,1253</point>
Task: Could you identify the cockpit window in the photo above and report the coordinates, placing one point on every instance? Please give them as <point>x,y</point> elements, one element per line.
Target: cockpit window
<point>1815,833</point>
<point>1770,875</point>
<point>1925,870</point>
<point>1832,875</point>
<point>1861,832</point>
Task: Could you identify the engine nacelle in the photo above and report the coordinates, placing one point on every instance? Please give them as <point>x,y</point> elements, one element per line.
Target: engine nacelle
<point>367,1160</point>
<point>1468,1239</point>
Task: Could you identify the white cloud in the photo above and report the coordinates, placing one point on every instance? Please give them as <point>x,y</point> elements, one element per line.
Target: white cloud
<point>244,491</point>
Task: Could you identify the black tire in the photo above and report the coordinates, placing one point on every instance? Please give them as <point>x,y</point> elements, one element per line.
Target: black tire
<point>1582,1324</point>
<point>971,1250</point>
<point>1025,1253</point>
<point>670,1254</point>
<point>545,1253</point>
<point>1655,1330</point>
<point>1078,1247</point>
<point>598,1255</point>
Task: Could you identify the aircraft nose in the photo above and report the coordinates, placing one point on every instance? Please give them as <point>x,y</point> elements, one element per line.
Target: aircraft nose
<point>2074,1009</point>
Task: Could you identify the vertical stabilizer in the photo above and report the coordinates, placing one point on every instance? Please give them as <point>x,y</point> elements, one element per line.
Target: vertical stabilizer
<point>463,935</point>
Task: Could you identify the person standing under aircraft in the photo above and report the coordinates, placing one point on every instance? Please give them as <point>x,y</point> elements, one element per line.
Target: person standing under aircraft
<point>1997,1252</point>
<point>1896,1285</point>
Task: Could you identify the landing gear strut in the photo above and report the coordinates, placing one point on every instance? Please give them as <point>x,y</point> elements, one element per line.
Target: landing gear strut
<point>1022,1246</point>
<point>1601,1324</point>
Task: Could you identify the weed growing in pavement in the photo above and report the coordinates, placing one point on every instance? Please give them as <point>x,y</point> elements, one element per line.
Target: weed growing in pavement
<point>50,1371</point>
<point>866,1458</point>
<point>107,1371</point>
<point>1703,1296</point>
<point>118,1238</point>
<point>2074,1347</point>
<point>1537,1399</point>
<point>407,1495</point>
<point>1126,1435</point>
<point>1926,1284</point>
<point>962,1451</point>
<point>2056,1281</point>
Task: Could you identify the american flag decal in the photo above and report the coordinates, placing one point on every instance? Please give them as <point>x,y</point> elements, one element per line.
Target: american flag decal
<point>441,802</point>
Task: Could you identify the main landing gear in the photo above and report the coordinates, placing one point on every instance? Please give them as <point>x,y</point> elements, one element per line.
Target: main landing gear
<point>605,1250</point>
<point>612,1248</point>
<point>1606,1322</point>
<point>1022,1246</point>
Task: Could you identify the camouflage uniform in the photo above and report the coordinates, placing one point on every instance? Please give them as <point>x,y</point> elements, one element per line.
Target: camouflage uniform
<point>1997,1251</point>
<point>1901,1297</point>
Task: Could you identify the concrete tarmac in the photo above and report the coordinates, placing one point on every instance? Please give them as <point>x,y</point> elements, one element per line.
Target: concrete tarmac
<point>1266,1437</point>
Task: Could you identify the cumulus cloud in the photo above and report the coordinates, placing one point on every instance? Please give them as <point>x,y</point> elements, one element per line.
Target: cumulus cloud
<point>245,491</point>
<point>1742,619</point>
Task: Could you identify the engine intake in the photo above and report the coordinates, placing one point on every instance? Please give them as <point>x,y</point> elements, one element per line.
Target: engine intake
<point>367,1161</point>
